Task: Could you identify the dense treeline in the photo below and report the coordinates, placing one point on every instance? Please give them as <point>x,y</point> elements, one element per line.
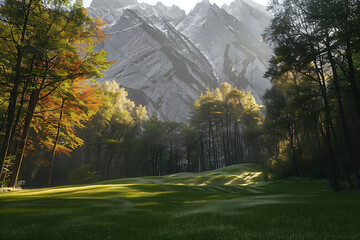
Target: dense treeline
<point>225,121</point>
<point>46,57</point>
<point>73,130</point>
<point>50,108</point>
<point>121,141</point>
<point>313,108</point>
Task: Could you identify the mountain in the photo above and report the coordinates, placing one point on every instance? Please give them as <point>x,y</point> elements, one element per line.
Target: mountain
<point>112,4</point>
<point>233,47</point>
<point>251,14</point>
<point>159,68</point>
<point>111,10</point>
<point>165,58</point>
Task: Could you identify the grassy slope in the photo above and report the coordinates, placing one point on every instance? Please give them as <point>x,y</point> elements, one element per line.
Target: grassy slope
<point>231,203</point>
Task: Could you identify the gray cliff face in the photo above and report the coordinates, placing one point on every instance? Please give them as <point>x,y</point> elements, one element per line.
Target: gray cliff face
<point>157,13</point>
<point>160,68</point>
<point>112,4</point>
<point>166,58</point>
<point>238,55</point>
<point>252,15</point>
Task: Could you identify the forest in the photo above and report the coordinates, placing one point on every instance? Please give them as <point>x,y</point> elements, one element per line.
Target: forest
<point>68,128</point>
<point>59,125</point>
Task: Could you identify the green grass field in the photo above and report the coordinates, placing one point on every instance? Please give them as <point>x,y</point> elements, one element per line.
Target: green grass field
<point>231,203</point>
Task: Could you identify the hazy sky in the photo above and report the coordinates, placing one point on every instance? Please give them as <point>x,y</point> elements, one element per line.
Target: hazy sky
<point>187,5</point>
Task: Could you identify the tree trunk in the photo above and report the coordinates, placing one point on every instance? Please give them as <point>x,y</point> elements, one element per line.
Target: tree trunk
<point>3,122</point>
<point>352,78</point>
<point>227,135</point>
<point>160,161</point>
<point>15,145</point>
<point>224,147</point>
<point>14,93</point>
<point>22,101</point>
<point>34,99</point>
<point>98,155</point>
<point>209,143</point>
<point>53,152</point>
<point>21,150</point>
<point>349,58</point>
<point>199,150</point>
<point>170,157</point>
<point>344,125</point>
<point>202,155</point>
<point>235,145</point>
<point>349,184</point>
<point>328,120</point>
<point>153,161</point>
<point>188,149</point>
<point>213,148</point>
<point>295,156</point>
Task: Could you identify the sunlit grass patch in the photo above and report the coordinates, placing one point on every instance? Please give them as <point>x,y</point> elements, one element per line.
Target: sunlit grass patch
<point>91,192</point>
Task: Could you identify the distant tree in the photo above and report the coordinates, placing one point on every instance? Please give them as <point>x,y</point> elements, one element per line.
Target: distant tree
<point>114,125</point>
<point>222,118</point>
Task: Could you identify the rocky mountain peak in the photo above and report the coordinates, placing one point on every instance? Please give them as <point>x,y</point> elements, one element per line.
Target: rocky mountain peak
<point>112,4</point>
<point>251,14</point>
<point>251,3</point>
<point>159,4</point>
<point>166,58</point>
<point>201,7</point>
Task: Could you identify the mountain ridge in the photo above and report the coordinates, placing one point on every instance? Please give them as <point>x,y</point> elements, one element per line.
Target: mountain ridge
<point>166,58</point>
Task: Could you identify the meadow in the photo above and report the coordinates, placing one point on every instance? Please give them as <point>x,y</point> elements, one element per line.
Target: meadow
<point>230,203</point>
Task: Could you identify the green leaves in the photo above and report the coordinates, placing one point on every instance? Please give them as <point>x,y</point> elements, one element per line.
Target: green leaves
<point>46,55</point>
<point>216,103</point>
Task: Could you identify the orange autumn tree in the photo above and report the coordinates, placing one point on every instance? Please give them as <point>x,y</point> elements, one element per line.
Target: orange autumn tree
<point>60,50</point>
<point>61,114</point>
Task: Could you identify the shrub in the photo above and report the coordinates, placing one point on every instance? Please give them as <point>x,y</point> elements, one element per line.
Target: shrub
<point>83,175</point>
